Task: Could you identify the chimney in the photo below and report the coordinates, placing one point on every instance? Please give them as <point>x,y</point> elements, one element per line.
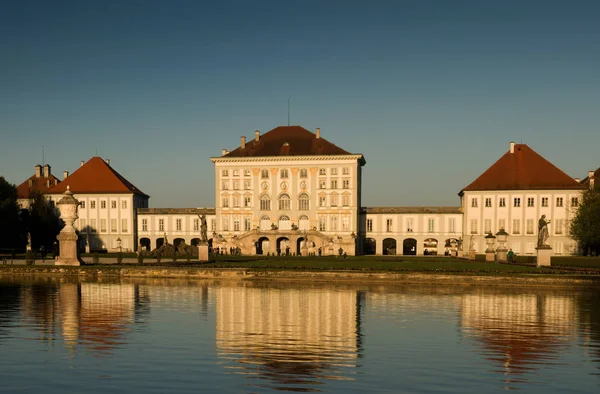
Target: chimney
<point>107,161</point>
<point>591,178</point>
<point>30,182</point>
<point>46,171</point>
<point>224,152</point>
<point>65,175</point>
<point>256,135</point>
<point>47,182</point>
<point>318,132</point>
<point>243,142</point>
<point>512,146</point>
<point>577,180</point>
<point>81,165</point>
<point>38,171</point>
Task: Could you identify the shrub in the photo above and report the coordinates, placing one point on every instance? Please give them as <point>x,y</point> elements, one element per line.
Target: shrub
<point>120,258</point>
<point>140,258</point>
<point>95,259</point>
<point>158,257</point>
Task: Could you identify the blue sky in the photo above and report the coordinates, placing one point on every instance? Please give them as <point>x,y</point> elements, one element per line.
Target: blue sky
<point>431,92</point>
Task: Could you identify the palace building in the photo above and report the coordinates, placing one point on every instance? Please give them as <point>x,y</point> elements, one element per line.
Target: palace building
<point>291,191</point>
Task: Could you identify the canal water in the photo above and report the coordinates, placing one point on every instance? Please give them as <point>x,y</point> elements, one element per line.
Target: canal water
<point>158,336</point>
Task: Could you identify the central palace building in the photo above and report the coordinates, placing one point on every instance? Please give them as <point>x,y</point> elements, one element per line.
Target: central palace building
<point>291,191</point>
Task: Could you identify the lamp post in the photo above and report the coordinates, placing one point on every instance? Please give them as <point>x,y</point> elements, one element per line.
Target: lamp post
<point>490,239</point>
<point>501,251</point>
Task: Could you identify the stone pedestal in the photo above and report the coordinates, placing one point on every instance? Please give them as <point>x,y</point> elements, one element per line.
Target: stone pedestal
<point>471,255</point>
<point>490,256</point>
<point>501,255</point>
<point>203,255</point>
<point>544,256</point>
<point>68,237</point>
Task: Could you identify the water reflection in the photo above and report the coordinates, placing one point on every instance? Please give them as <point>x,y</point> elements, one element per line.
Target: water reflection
<point>289,339</point>
<point>519,333</point>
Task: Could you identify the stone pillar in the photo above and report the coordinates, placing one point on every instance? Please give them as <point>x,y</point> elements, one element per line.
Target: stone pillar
<point>544,256</point>
<point>68,237</point>
<point>203,255</point>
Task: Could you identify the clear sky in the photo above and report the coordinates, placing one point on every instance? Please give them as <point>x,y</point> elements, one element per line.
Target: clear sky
<point>431,92</point>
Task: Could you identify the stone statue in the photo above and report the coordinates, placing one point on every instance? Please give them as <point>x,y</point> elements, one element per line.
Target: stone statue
<point>543,233</point>
<point>165,237</point>
<point>203,229</point>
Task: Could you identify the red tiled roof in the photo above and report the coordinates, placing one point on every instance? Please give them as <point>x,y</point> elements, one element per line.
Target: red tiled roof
<point>524,169</point>
<point>586,181</point>
<point>96,176</point>
<point>287,141</point>
<point>38,184</point>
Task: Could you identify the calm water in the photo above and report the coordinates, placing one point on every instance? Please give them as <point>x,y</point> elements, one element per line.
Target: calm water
<point>158,336</point>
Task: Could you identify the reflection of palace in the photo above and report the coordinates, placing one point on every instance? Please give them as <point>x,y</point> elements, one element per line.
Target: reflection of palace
<point>518,332</point>
<point>288,335</point>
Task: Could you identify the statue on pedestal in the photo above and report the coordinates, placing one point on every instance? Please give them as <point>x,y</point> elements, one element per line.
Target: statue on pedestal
<point>203,229</point>
<point>543,233</point>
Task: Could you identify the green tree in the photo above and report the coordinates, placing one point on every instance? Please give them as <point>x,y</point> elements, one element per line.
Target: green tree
<point>11,229</point>
<point>43,222</point>
<point>585,226</point>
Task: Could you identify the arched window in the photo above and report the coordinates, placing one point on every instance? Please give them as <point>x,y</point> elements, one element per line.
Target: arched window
<point>304,223</point>
<point>304,202</point>
<point>265,203</point>
<point>284,203</point>
<point>284,223</point>
<point>265,223</point>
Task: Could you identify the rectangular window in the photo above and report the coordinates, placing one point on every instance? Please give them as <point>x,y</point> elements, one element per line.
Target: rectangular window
<point>369,225</point>
<point>516,226</point>
<point>82,205</point>
<point>389,224</point>
<point>558,226</point>
<point>283,174</point>
<point>144,224</point>
<point>303,203</point>
<point>409,225</point>
<point>246,184</point>
<point>247,223</point>
<point>236,185</point>
<point>224,172</point>
<point>473,226</point>
<point>113,225</point>
<point>544,201</point>
<point>345,201</point>
<point>236,172</point>
<point>161,224</point>
<point>345,223</point>
<point>322,171</point>
<point>92,225</point>
<point>322,201</point>
<point>502,202</point>
<point>334,201</point>
<point>322,223</point>
<point>82,225</point>
<point>246,172</point>
<point>303,173</point>
<point>265,204</point>
<point>334,171</point>
<point>225,202</point>
<point>346,184</point>
<point>345,171</point>
<point>431,225</point>
<point>334,183</point>
<point>502,223</point>
<point>236,201</point>
<point>322,184</point>
<point>236,224</point>
<point>196,224</point>
<point>487,226</point>
<point>559,201</point>
<point>102,225</point>
<point>103,204</point>
<point>224,185</point>
<point>488,202</point>
<point>517,202</point>
<point>264,174</point>
<point>530,202</point>
<point>247,201</point>
<point>225,221</point>
<point>574,202</point>
<point>333,223</point>
<point>124,226</point>
<point>451,225</point>
<point>93,204</point>
<point>177,224</point>
<point>113,204</point>
<point>473,203</point>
